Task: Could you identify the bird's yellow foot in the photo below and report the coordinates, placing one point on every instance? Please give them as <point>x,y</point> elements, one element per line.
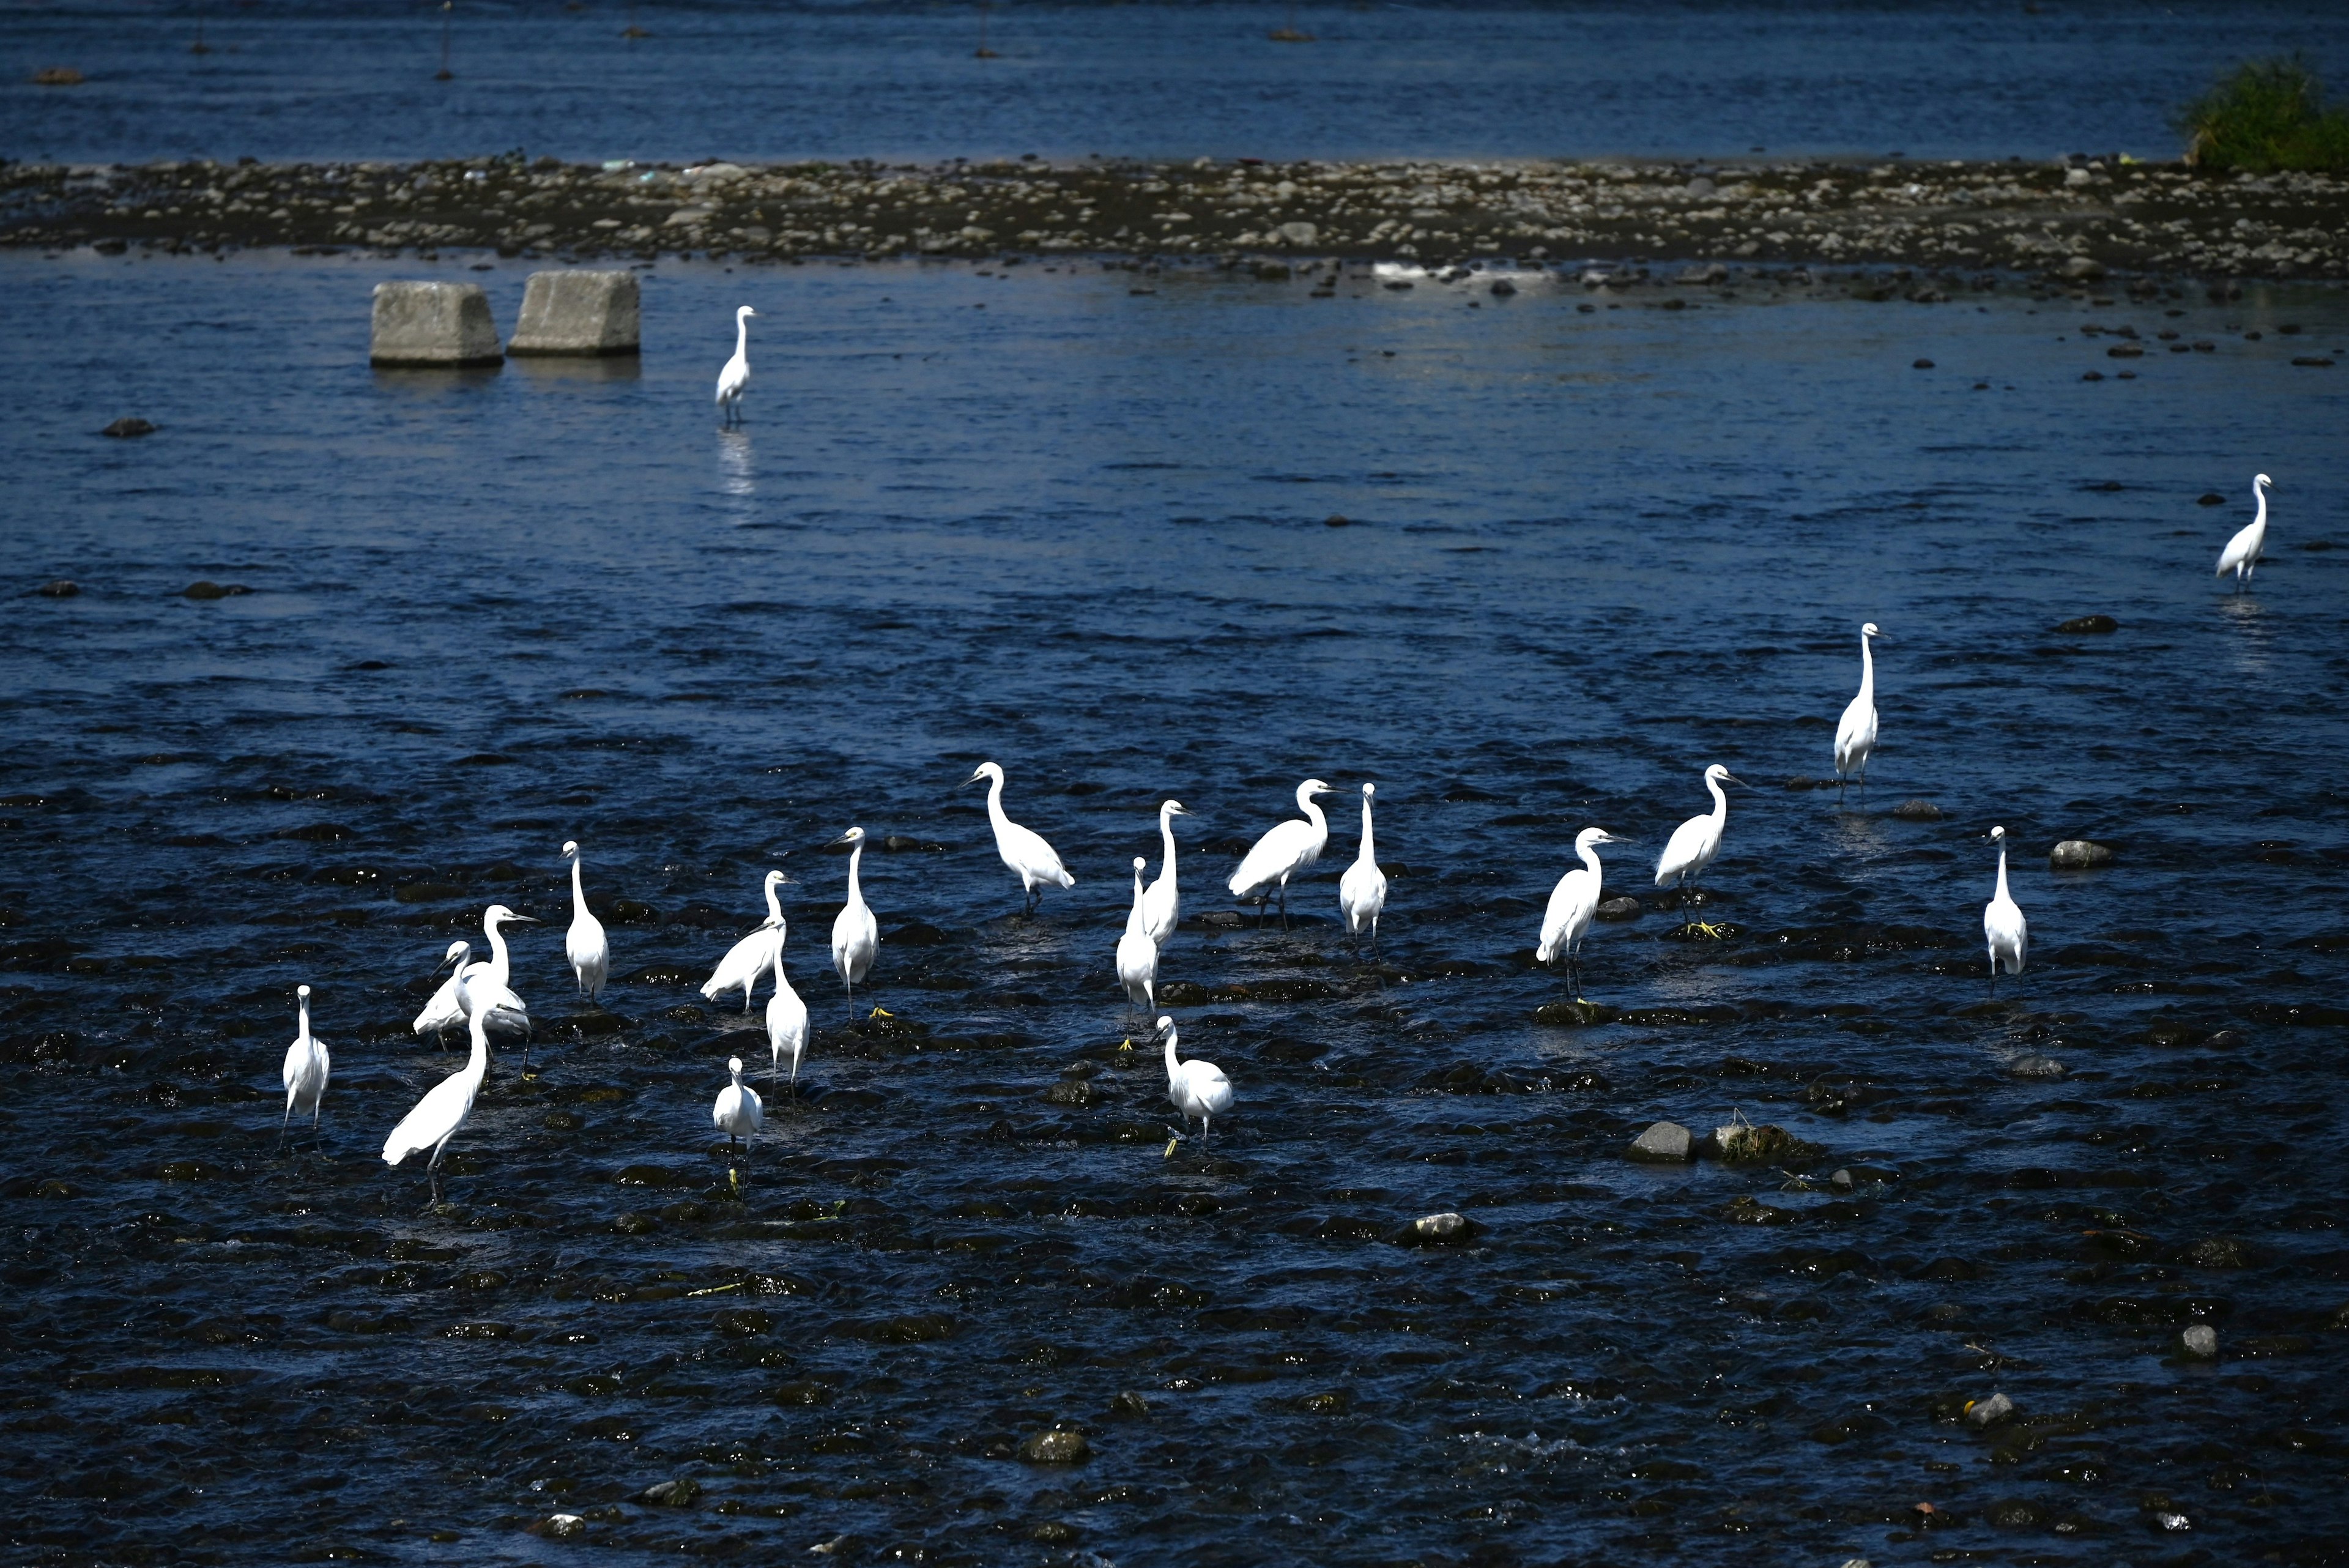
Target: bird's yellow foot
<point>734,1178</point>
<point>1170,1148</point>
<point>1705,928</point>
<point>880,1012</point>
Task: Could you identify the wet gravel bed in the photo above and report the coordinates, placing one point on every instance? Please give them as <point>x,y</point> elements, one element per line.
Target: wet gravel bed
<point>2077,218</point>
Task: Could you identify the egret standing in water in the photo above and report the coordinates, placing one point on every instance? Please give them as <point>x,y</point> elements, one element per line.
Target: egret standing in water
<point>305,1070</point>
<point>441,1013</point>
<point>787,1017</point>
<point>444,1107</point>
<point>748,959</point>
<point>1571,904</point>
<point>2241,555</point>
<point>1031,859</point>
<point>1282,853</point>
<point>736,376</point>
<point>1693,845</point>
<point>490,983</point>
<point>1362,891</point>
<point>738,1113</point>
<point>1162,901</point>
<point>583,944</point>
<point>2005,930</point>
<point>1856,735</point>
<point>1137,955</point>
<point>855,934</point>
<point>1196,1088</point>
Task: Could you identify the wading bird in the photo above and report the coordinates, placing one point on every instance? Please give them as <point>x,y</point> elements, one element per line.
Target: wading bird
<point>855,934</point>
<point>1280,853</point>
<point>1137,955</point>
<point>2241,555</point>
<point>1693,845</point>
<point>736,376</point>
<point>583,944</point>
<point>489,982</point>
<point>444,1107</point>
<point>787,1017</point>
<point>2005,930</point>
<point>1362,891</point>
<point>1196,1088</point>
<point>441,1013</point>
<point>1571,904</point>
<point>305,1070</point>
<point>738,1113</point>
<point>1162,902</point>
<point>1023,850</point>
<point>1855,734</point>
<point>747,959</point>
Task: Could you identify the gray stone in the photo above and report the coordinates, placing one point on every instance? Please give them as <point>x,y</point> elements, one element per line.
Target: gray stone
<point>1989,1412</point>
<point>677,1493</point>
<point>584,312</point>
<point>2201,1341</point>
<point>1445,1229</point>
<point>2035,1067</point>
<point>2078,853</point>
<point>1917,811</point>
<point>1299,233</point>
<point>440,324</point>
<point>563,1526</point>
<point>129,427</point>
<point>1666,1143</point>
<point>2086,269</point>
<point>1626,908</point>
<point>63,588</point>
<point>1714,272</point>
<point>1701,186</point>
<point>1056,1448</point>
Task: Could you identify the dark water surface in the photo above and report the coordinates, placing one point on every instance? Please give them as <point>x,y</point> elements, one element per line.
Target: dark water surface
<point>1990,78</point>
<point>1080,530</point>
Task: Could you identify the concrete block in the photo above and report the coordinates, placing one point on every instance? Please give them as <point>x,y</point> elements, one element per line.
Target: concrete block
<point>442,324</point>
<point>578,313</point>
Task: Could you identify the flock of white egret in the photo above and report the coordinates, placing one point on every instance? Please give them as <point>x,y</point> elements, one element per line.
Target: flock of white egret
<point>478,993</point>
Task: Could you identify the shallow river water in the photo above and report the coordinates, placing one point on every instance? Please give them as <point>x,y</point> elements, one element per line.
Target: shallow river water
<point>1046,518</point>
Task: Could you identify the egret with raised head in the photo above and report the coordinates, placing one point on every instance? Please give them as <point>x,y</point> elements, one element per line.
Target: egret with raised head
<point>747,959</point>
<point>2004,930</point>
<point>1571,904</point>
<point>441,1013</point>
<point>583,944</point>
<point>1031,859</point>
<point>1856,733</point>
<point>855,934</point>
<point>444,1107</point>
<point>738,1113</point>
<point>1282,853</point>
<point>1693,845</point>
<point>1196,1088</point>
<point>2241,555</point>
<point>1162,901</point>
<point>490,982</point>
<point>1362,891</point>
<point>1137,955</point>
<point>306,1068</point>
<point>736,376</point>
<point>787,1017</point>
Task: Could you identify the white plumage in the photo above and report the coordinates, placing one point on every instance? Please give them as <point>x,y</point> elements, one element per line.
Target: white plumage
<point>1196,1088</point>
<point>736,376</point>
<point>1695,841</point>
<point>2004,930</point>
<point>583,943</point>
<point>1572,903</point>
<point>738,1113</point>
<point>1856,732</point>
<point>490,982</point>
<point>1032,860</point>
<point>2241,555</point>
<point>306,1069</point>
<point>1162,901</point>
<point>442,1014</point>
<point>787,1016</point>
<point>1362,891</point>
<point>443,1109</point>
<point>1280,853</point>
<point>855,934</point>
<point>751,957</point>
<point>1137,955</point>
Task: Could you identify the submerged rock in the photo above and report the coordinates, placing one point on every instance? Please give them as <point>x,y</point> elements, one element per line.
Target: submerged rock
<point>2035,1067</point>
<point>677,1493</point>
<point>1574,1014</point>
<point>1665,1143</point>
<point>1623,908</point>
<point>1984,1414</point>
<point>1917,811</point>
<point>205,589</point>
<point>1769,1144</point>
<point>128,428</point>
<point>1445,1229</point>
<point>2079,853</point>
<point>2199,1342</point>
<point>63,588</point>
<point>1056,1448</point>
<point>2088,625</point>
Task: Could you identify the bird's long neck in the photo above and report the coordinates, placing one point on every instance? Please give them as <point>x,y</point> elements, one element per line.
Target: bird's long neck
<point>2261,520</point>
<point>499,968</point>
<point>1370,855</point>
<point>477,1065</point>
<point>774,905</point>
<point>741,336</point>
<point>1312,810</point>
<point>1867,668</point>
<point>1166,842</point>
<point>777,959</point>
<point>1173,1066</point>
<point>855,859</point>
<point>1719,800</point>
<point>304,1003</point>
<point>2002,868</point>
<point>1590,854</point>
<point>578,895</point>
<point>995,802</point>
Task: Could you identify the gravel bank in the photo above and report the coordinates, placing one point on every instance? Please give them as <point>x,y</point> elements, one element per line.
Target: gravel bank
<point>2075,219</point>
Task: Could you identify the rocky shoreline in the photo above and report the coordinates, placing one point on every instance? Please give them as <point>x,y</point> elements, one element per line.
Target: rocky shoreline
<point>2074,219</point>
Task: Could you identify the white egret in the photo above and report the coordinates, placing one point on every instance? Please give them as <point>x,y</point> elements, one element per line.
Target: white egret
<point>1137,955</point>
<point>490,982</point>
<point>787,1017</point>
<point>739,1112</point>
<point>444,1107</point>
<point>1162,901</point>
<point>441,1013</point>
<point>2241,555</point>
<point>1287,849</point>
<point>2006,932</point>
<point>1572,903</point>
<point>1196,1088</point>
<point>1362,891</point>
<point>737,373</point>
<point>583,944</point>
<point>1695,841</point>
<point>305,1070</point>
<point>1022,849</point>
<point>1856,733</point>
<point>855,934</point>
<point>747,959</point>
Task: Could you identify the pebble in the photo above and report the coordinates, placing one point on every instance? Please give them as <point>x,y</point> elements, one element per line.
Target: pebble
<point>2078,853</point>
<point>1626,908</point>
<point>1984,1414</point>
<point>63,588</point>
<point>208,589</point>
<point>1917,811</point>
<point>2083,268</point>
<point>2200,1340</point>
<point>1056,1448</point>
<point>677,1493</point>
<point>1921,365</point>
<point>1445,1229</point>
<point>563,1526</point>
<point>1666,1143</point>
<point>2036,1068</point>
<point>2088,625</point>
<point>129,427</point>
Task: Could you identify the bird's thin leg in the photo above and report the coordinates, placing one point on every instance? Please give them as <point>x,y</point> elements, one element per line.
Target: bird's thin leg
<point>1284,903</point>
<point>281,1122</point>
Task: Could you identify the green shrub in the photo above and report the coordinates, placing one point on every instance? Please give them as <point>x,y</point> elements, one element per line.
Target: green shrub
<point>2266,115</point>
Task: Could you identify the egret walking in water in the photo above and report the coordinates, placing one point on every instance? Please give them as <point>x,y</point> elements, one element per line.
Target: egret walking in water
<point>2241,555</point>
<point>444,1107</point>
<point>1196,1088</point>
<point>1137,955</point>
<point>1855,734</point>
<point>441,1013</point>
<point>747,959</point>
<point>1362,891</point>
<point>787,1017</point>
<point>739,1112</point>
<point>583,944</point>
<point>1030,858</point>
<point>1571,904</point>
<point>732,379</point>
<point>1693,845</point>
<point>490,982</point>
<point>1162,901</point>
<point>1282,853</point>
<point>305,1070</point>
<point>2005,930</point>
<point>855,934</point>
